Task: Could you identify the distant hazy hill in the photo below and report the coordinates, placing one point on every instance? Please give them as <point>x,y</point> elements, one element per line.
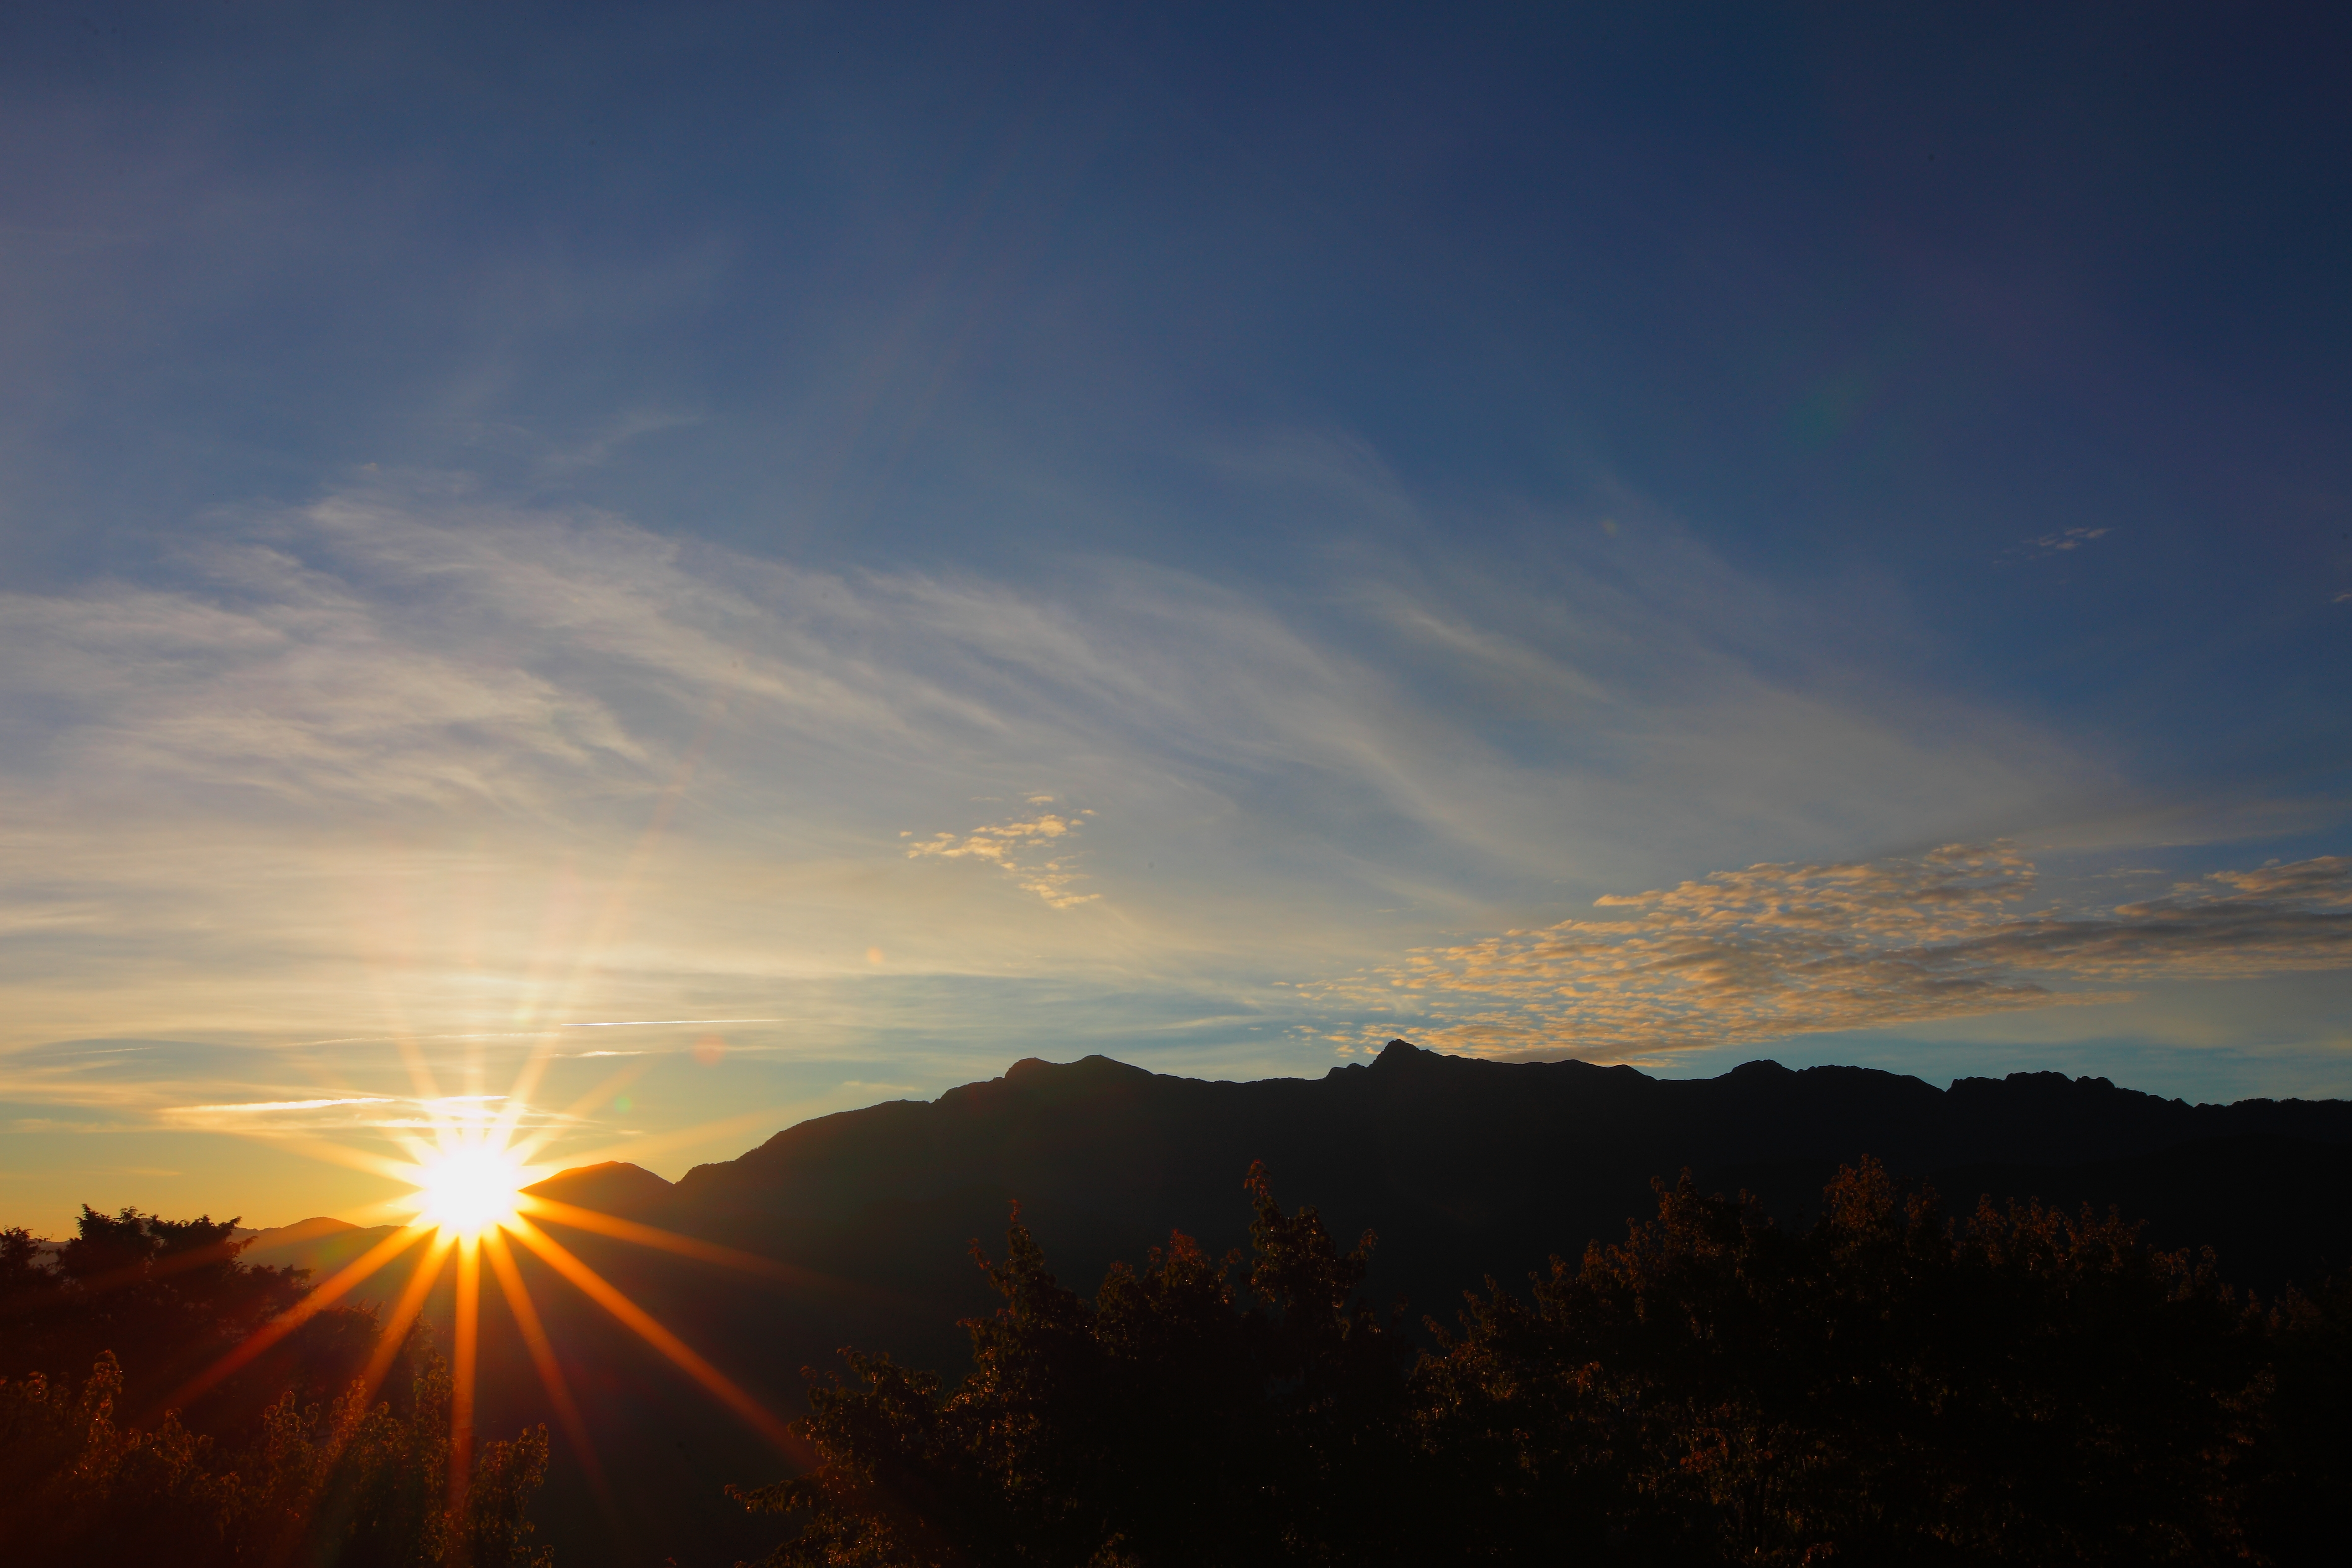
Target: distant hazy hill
<point>614,1188</point>
<point>318,1244</point>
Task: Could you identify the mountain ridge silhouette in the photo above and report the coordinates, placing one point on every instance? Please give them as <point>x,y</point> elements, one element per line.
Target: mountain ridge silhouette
<point>1464,1168</point>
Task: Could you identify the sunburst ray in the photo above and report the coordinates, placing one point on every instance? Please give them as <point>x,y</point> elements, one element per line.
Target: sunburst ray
<point>303,1312</point>
<point>577,1218</point>
<point>529,1144</point>
<point>541,1351</point>
<point>469,1337</point>
<point>598,1289</point>
<point>407,1310</point>
<point>466,1164</point>
<point>637,1148</point>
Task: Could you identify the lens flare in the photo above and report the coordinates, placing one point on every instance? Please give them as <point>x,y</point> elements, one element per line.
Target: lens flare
<point>469,1183</point>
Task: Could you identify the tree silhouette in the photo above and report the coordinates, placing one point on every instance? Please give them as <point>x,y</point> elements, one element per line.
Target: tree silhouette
<point>2020,1386</point>
<point>1891,1385</point>
<point>295,1461</point>
<point>1168,1419</point>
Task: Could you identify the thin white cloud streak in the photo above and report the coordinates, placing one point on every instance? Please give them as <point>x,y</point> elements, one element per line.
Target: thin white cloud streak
<point>350,1113</point>
<point>1747,957</point>
<point>272,1105</point>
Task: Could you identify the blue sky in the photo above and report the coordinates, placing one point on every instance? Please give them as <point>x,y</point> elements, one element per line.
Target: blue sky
<point>909,537</point>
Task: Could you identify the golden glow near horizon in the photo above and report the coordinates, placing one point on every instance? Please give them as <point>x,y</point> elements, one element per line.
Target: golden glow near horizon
<point>467,1171</point>
<point>468,1197</point>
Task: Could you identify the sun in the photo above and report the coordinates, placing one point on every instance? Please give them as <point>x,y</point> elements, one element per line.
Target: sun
<point>469,1190</point>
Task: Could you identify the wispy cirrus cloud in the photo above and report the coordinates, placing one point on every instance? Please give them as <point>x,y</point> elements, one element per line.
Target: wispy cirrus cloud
<point>2061,542</point>
<point>406,763</point>
<point>1778,950</point>
<point>548,764</point>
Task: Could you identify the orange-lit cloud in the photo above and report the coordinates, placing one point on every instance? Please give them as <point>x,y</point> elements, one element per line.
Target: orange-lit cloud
<point>1014,848</point>
<point>1790,949</point>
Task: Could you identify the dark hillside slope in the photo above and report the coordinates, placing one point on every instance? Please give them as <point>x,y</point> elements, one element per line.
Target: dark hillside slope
<point>1462,1166</point>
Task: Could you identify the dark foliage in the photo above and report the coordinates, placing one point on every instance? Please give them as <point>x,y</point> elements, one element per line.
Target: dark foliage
<point>2301,1471</point>
<point>289,1461</point>
<point>1889,1385</point>
<point>2017,1387</point>
<point>167,1297</point>
<point>1274,1418</point>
